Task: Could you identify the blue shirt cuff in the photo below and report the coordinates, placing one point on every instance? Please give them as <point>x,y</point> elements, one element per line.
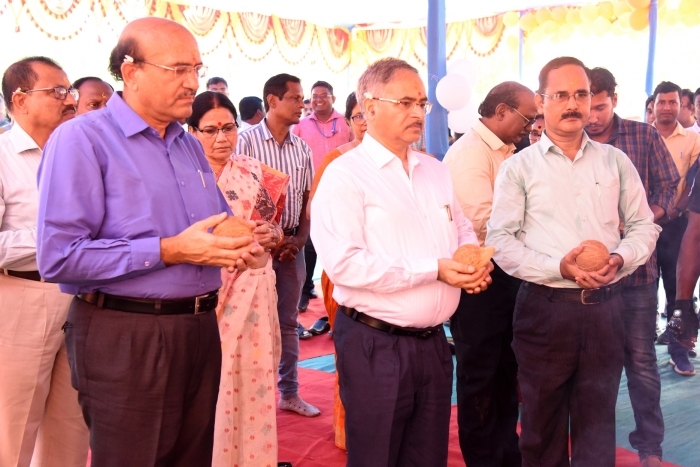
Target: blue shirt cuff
<point>145,254</point>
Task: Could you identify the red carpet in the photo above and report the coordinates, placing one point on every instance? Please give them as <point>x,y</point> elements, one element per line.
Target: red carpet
<point>317,345</point>
<point>308,442</point>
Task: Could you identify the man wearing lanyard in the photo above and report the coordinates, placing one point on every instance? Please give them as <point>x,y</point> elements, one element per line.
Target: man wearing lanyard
<point>273,144</point>
<point>126,199</point>
<point>324,130</point>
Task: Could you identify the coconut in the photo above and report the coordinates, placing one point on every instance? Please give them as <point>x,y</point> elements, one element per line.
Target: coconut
<point>473,255</point>
<point>593,257</point>
<point>233,227</point>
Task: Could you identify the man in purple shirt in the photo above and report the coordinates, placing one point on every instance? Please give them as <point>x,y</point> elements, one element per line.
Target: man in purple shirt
<point>126,199</point>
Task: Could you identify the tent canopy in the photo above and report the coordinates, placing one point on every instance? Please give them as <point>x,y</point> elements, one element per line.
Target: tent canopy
<point>353,12</point>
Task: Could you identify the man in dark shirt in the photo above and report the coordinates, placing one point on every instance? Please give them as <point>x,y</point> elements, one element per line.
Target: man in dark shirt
<point>644,146</point>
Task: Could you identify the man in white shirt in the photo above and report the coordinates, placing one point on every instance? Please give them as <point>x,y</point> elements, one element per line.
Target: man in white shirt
<point>252,112</point>
<point>686,113</point>
<point>568,330</point>
<point>386,222</point>
<point>487,385</point>
<point>40,420</point>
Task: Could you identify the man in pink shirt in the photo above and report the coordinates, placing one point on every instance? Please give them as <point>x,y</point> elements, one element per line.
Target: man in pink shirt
<point>324,130</point>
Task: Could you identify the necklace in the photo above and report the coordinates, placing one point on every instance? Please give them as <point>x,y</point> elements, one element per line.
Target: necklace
<point>335,120</point>
<point>218,174</point>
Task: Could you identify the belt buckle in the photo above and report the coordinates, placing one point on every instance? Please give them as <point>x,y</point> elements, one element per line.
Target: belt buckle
<point>196,304</point>
<point>425,334</point>
<point>586,293</point>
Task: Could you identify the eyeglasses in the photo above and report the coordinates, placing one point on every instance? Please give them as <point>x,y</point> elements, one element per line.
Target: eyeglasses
<point>213,132</point>
<point>180,71</point>
<point>528,121</point>
<point>359,118</point>
<point>406,106</point>
<point>59,92</point>
<point>561,97</point>
<point>321,97</point>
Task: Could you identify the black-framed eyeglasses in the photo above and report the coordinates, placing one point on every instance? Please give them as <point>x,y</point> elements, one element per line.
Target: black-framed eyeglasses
<point>561,97</point>
<point>528,121</point>
<point>59,92</point>
<point>180,71</point>
<point>405,105</point>
<point>212,132</point>
<point>358,119</point>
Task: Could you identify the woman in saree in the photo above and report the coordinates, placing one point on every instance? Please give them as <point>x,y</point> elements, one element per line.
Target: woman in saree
<point>245,431</point>
<point>356,121</point>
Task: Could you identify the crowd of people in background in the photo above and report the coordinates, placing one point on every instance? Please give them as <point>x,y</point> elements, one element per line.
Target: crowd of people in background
<point>132,331</point>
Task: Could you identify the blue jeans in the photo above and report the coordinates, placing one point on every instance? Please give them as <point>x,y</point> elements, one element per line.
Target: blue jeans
<point>290,277</point>
<point>643,381</point>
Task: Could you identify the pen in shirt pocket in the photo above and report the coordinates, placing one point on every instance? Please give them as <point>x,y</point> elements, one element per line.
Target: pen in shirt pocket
<point>448,210</point>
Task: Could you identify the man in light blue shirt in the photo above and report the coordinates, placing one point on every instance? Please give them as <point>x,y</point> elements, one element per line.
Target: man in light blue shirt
<point>568,333</point>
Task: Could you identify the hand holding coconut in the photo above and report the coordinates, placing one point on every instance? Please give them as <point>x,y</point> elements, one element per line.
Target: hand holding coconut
<point>590,265</point>
<point>468,269</point>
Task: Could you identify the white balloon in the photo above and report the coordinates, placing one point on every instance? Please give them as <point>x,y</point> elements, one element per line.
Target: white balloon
<point>464,67</point>
<point>453,92</point>
<point>460,121</point>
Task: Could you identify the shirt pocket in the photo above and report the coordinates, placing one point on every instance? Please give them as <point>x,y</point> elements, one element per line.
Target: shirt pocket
<point>606,199</point>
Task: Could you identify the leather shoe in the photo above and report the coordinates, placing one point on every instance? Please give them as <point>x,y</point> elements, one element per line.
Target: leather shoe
<point>303,333</point>
<point>313,294</point>
<point>303,303</point>
<point>320,326</point>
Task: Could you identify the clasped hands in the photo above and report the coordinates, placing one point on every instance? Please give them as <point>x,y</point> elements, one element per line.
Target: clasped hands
<point>465,277</point>
<point>589,280</point>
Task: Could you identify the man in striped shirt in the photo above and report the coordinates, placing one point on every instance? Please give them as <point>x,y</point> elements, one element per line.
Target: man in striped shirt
<point>647,151</point>
<point>274,145</point>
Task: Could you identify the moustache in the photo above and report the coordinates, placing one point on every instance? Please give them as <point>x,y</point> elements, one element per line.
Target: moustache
<point>69,109</point>
<point>572,114</point>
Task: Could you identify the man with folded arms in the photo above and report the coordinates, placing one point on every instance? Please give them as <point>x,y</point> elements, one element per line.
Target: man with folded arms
<point>386,222</point>
<point>126,201</point>
<point>568,331</point>
<point>40,419</point>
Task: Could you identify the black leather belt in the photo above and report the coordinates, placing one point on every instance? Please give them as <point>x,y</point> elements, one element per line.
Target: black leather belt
<point>383,326</point>
<point>29,275</point>
<point>585,296</point>
<point>180,306</point>
<point>291,232</point>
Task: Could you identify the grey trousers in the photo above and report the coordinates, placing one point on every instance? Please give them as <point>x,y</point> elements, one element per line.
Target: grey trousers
<point>290,278</point>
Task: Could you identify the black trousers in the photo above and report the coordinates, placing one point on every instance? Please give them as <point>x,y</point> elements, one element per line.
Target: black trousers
<point>667,249</point>
<point>487,387</point>
<point>310,258</point>
<point>147,385</point>
<point>570,360</point>
<point>396,391</point>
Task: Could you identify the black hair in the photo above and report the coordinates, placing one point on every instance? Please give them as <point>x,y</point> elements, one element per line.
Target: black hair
<point>323,84</point>
<point>81,81</point>
<point>649,100</point>
<point>307,101</point>
<point>350,104</point>
<point>689,94</point>
<point>277,86</point>
<point>216,80</point>
<point>21,75</point>
<point>555,64</point>
<point>665,87</point>
<point>696,94</point>
<point>249,106</point>
<point>602,80</point>
<point>206,101</point>
<point>127,46</point>
<point>504,93</point>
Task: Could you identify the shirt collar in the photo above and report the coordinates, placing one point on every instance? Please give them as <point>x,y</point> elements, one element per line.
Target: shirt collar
<point>333,116</point>
<point>491,139</point>
<point>545,144</point>
<point>267,135</point>
<point>679,130</point>
<point>20,140</point>
<point>382,156</point>
<point>131,123</point>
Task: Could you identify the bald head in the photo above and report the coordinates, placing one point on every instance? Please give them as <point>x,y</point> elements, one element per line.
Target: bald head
<point>508,111</point>
<point>143,38</point>
<point>507,92</point>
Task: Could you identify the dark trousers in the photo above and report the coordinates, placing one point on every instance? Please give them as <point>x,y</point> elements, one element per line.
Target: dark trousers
<point>147,385</point>
<point>396,391</point>
<point>487,386</point>
<point>643,380</point>
<point>667,248</point>
<point>570,359</point>
<point>310,258</point>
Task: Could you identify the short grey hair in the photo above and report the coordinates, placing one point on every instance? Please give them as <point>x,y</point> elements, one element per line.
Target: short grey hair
<point>378,74</point>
